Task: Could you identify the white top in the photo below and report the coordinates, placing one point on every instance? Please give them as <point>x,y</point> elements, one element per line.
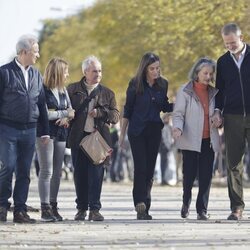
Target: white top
<point>56,94</point>
<point>241,57</point>
<point>25,73</point>
<point>90,124</point>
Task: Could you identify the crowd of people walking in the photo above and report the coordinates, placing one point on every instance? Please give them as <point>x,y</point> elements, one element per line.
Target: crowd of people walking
<point>209,126</point>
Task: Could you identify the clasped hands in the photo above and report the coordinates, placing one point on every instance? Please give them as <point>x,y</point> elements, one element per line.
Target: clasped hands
<point>64,122</point>
<point>216,122</point>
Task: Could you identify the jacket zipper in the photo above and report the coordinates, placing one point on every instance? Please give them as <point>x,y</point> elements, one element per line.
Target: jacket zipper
<point>27,95</point>
<point>242,93</point>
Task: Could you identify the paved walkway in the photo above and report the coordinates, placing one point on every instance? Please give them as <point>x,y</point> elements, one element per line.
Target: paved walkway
<point>121,230</point>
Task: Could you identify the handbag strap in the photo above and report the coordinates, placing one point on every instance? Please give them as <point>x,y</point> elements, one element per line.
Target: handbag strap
<point>67,98</point>
<point>87,100</point>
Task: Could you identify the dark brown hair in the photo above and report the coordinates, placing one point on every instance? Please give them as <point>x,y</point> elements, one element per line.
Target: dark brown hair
<point>141,72</point>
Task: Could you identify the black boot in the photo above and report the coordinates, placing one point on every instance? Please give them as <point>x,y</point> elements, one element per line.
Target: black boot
<point>55,211</point>
<point>46,213</point>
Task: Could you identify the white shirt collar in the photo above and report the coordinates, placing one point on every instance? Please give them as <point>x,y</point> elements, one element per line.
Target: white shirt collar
<point>21,66</point>
<point>25,72</point>
<point>241,56</point>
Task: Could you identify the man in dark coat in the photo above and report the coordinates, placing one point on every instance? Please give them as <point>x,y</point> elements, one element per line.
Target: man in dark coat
<point>98,112</point>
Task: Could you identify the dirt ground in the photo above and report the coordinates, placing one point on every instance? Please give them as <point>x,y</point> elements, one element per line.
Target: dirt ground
<point>121,230</point>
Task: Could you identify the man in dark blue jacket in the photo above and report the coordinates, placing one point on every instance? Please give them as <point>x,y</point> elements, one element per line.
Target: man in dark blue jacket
<point>233,82</point>
<point>22,103</point>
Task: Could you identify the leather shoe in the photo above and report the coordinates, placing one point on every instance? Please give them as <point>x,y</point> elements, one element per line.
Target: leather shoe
<point>235,215</point>
<point>22,217</point>
<point>184,211</point>
<point>144,216</point>
<point>94,215</point>
<point>81,214</point>
<point>140,207</point>
<point>202,216</point>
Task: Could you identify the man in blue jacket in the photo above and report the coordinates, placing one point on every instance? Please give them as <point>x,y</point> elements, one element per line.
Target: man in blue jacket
<point>22,103</point>
<point>233,82</point>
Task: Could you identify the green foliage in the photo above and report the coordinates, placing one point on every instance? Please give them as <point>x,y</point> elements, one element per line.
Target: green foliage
<point>120,32</point>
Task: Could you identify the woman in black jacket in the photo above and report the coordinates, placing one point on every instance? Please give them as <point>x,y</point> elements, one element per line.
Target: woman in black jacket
<point>146,98</point>
<point>51,155</point>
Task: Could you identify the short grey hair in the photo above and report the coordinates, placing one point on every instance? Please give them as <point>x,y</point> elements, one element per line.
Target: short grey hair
<point>200,63</point>
<point>231,28</point>
<point>86,63</point>
<point>25,42</point>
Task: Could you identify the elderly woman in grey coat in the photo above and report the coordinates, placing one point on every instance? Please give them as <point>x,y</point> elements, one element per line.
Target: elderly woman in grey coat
<point>195,135</point>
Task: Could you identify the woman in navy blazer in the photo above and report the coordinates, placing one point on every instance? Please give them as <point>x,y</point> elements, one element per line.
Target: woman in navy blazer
<point>146,98</point>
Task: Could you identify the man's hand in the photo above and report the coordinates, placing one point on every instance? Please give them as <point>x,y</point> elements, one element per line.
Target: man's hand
<point>216,119</point>
<point>45,139</point>
<point>93,113</point>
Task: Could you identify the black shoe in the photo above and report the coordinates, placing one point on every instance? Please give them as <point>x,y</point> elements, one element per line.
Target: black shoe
<point>184,211</point>
<point>81,214</point>
<point>55,211</point>
<point>235,215</point>
<point>3,214</point>
<point>29,209</point>
<point>47,214</point>
<point>22,217</point>
<point>140,207</point>
<point>144,216</point>
<point>94,215</point>
<point>32,209</point>
<point>202,216</point>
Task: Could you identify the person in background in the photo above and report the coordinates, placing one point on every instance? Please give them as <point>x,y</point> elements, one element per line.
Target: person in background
<point>96,108</point>
<point>165,147</point>
<point>114,171</point>
<point>233,101</point>
<point>51,155</point>
<point>22,104</point>
<point>146,97</point>
<point>194,134</point>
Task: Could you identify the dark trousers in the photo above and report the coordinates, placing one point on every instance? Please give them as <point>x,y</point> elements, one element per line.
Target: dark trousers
<point>88,179</point>
<point>237,132</point>
<point>201,165</point>
<point>144,150</point>
<point>16,153</point>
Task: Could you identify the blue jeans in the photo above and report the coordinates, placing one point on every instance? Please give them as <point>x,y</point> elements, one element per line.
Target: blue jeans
<point>16,153</point>
<point>88,180</point>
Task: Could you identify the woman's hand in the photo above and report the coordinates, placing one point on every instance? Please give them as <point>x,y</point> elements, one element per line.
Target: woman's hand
<point>71,113</point>
<point>63,122</point>
<point>216,119</point>
<point>176,133</point>
<point>121,140</point>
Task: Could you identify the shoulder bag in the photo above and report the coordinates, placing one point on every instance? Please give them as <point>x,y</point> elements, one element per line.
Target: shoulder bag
<point>95,147</point>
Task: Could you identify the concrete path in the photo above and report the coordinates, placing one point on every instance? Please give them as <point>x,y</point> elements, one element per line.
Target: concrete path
<point>121,230</point>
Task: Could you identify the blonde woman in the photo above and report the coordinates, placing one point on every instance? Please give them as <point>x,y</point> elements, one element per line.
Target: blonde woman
<point>50,156</point>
